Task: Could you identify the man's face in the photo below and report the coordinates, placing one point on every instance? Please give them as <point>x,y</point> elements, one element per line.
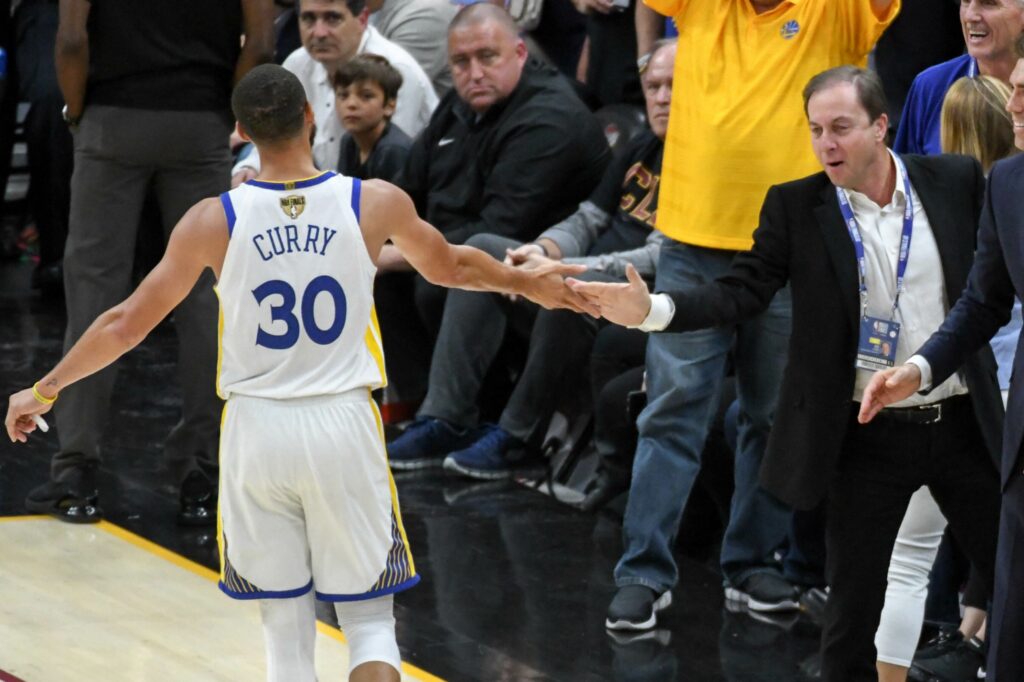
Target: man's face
<point>329,31</point>
<point>844,138</point>
<point>361,106</point>
<point>486,63</point>
<point>657,82</point>
<point>1015,105</point>
<point>991,26</point>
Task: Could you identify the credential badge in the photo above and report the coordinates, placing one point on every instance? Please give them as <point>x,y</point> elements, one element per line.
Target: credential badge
<point>293,205</point>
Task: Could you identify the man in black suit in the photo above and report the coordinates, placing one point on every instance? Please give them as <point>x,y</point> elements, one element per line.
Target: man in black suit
<point>997,275</point>
<point>871,278</point>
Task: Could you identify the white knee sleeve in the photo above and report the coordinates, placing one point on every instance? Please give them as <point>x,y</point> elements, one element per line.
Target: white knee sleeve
<point>369,627</point>
<point>289,631</point>
<point>912,557</point>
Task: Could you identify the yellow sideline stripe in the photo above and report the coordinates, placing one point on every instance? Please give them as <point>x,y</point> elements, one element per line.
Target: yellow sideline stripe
<point>27,517</point>
<point>210,574</point>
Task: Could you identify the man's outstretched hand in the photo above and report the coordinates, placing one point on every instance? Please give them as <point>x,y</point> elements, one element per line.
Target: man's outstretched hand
<point>622,303</point>
<point>549,289</point>
<point>887,387</point>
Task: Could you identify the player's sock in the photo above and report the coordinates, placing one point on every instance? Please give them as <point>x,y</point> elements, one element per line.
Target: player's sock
<point>369,627</point>
<point>289,631</point>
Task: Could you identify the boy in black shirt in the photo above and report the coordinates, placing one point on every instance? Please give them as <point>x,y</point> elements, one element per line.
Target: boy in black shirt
<point>367,89</point>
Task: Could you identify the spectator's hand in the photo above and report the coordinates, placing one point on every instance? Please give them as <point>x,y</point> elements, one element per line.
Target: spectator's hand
<point>522,253</point>
<point>20,408</point>
<point>588,6</point>
<point>244,175</point>
<point>887,387</point>
<point>626,304</point>
<point>548,289</point>
<point>391,259</point>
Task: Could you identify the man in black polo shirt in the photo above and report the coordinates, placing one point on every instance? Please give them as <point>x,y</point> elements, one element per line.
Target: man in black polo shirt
<point>147,87</point>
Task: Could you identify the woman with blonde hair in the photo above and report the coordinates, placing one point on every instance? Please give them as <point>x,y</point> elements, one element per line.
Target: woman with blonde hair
<point>974,122</point>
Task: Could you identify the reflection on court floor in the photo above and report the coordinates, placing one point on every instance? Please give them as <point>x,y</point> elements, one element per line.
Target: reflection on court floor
<point>98,602</point>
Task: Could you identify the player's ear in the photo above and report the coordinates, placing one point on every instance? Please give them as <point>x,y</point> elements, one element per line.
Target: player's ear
<point>240,131</point>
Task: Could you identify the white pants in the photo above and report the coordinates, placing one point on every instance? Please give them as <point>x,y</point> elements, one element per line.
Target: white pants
<point>912,557</point>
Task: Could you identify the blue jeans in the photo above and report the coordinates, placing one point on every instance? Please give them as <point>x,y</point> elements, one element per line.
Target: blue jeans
<point>684,376</point>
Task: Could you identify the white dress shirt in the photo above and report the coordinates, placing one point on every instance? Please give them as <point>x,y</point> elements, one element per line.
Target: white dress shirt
<point>416,98</point>
<point>923,302</point>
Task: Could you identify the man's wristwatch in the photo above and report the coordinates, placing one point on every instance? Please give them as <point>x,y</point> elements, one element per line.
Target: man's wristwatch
<point>72,121</point>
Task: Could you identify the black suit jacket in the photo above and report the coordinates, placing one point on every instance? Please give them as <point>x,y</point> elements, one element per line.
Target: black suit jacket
<point>997,274</point>
<point>802,239</point>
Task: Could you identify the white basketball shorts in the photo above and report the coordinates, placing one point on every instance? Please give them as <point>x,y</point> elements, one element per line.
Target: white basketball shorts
<point>307,501</point>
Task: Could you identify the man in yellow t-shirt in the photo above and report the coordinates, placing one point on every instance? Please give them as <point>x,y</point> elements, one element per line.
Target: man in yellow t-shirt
<point>736,127</point>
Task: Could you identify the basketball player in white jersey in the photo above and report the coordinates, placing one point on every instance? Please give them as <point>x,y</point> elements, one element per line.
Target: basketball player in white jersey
<point>307,505</point>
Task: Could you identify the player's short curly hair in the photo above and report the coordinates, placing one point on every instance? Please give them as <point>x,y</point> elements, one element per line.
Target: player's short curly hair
<point>269,104</point>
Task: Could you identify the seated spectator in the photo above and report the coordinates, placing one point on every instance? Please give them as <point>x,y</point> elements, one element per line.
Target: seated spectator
<point>333,32</point>
<point>366,89</point>
<point>421,27</point>
<point>990,29</point>
<point>508,152</point>
<point>613,228</point>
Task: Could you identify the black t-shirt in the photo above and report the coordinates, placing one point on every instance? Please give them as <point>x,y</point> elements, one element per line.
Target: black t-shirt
<point>176,55</point>
<point>629,192</point>
<point>612,75</point>
<point>386,159</point>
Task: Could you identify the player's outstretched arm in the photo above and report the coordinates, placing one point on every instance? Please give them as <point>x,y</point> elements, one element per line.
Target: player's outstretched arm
<point>195,243</point>
<point>388,213</point>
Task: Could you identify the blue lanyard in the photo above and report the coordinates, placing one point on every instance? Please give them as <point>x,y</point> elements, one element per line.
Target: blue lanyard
<point>858,243</point>
<point>972,70</point>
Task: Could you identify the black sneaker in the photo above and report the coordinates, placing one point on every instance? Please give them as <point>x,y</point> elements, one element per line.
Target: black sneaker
<point>962,660</point>
<point>764,591</point>
<point>72,497</point>
<point>425,443</point>
<point>636,607</point>
<point>197,502</point>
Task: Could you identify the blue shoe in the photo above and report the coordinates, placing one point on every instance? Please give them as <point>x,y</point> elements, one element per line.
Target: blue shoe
<point>487,458</point>
<point>425,443</point>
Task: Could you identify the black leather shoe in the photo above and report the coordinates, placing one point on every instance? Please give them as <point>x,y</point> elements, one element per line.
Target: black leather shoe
<point>198,501</point>
<point>73,498</point>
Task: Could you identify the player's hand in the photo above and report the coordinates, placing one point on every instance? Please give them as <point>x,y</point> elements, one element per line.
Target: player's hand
<point>887,387</point>
<point>20,408</point>
<point>244,175</point>
<point>548,289</point>
<point>625,303</point>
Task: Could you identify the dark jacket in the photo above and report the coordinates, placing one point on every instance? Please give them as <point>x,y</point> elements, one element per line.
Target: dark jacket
<point>998,274</point>
<point>802,239</point>
<point>385,161</point>
<point>525,164</point>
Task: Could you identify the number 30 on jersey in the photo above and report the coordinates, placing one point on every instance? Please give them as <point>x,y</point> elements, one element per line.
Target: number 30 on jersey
<point>284,311</point>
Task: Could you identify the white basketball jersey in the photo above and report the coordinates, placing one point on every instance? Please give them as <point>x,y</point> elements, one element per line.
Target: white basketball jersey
<point>296,292</point>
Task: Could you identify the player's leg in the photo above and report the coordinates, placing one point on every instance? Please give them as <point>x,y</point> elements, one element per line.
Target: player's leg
<point>289,633</point>
<point>369,628</point>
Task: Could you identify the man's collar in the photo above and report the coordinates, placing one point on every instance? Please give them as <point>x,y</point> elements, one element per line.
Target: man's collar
<point>860,201</point>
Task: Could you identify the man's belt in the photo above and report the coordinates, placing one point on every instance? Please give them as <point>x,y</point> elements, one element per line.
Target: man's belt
<point>931,413</point>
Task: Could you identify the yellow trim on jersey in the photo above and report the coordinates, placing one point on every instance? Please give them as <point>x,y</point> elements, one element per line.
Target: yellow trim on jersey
<point>394,491</point>
<point>373,344</point>
<point>220,344</point>
<point>220,521</point>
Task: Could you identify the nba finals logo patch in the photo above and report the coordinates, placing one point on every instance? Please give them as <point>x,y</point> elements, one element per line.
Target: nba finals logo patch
<point>293,205</point>
<point>790,29</point>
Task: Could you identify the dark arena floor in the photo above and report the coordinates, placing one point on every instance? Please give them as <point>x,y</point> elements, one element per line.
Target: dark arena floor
<point>515,584</point>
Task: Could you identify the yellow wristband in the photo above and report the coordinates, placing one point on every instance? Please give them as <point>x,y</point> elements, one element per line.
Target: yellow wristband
<point>40,397</point>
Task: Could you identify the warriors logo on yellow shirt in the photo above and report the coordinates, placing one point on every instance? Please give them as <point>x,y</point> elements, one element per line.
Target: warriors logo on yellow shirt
<point>293,205</point>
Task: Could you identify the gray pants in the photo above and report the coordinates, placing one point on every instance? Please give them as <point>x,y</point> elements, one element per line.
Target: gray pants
<point>473,329</point>
<point>119,154</point>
